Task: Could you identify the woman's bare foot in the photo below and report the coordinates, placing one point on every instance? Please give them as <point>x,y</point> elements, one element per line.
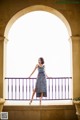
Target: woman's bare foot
<point>30,102</point>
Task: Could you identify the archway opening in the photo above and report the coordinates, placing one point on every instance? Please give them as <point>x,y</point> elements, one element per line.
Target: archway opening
<point>39,36</point>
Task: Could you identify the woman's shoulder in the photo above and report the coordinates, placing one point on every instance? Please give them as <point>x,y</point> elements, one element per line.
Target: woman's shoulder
<point>37,65</point>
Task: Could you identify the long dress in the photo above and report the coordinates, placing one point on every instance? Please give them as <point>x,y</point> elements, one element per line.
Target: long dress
<point>41,82</point>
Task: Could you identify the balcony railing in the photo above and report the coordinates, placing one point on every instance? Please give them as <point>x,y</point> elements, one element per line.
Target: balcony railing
<point>58,88</point>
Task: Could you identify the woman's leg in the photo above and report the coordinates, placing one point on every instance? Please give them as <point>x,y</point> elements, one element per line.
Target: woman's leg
<point>32,96</point>
<point>41,98</point>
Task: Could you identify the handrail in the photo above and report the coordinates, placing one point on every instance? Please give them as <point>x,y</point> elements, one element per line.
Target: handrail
<point>35,78</point>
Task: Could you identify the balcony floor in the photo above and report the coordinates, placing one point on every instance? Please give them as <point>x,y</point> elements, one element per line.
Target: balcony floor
<point>36,102</point>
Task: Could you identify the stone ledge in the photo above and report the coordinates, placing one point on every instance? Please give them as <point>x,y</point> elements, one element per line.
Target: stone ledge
<point>42,107</point>
<point>48,112</point>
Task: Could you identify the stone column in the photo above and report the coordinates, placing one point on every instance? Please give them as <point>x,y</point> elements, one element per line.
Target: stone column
<point>76,65</point>
<point>2,64</point>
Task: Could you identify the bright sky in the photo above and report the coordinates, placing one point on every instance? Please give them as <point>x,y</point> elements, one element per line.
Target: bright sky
<point>38,34</point>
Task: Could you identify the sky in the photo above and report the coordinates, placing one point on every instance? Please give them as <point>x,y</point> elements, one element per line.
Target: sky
<point>38,34</point>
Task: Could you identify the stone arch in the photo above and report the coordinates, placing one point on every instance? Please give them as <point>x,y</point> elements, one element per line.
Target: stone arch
<point>36,8</point>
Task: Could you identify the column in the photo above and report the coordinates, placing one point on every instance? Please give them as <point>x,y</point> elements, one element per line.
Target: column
<point>76,65</point>
<point>2,64</point>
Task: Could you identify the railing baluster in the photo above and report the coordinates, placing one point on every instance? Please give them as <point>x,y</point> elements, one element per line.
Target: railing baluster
<point>23,89</point>
<point>33,84</point>
<point>58,90</point>
<point>15,89</point>
<point>68,88</point>
<point>12,88</point>
<point>8,89</point>
<point>62,88</point>
<point>49,89</point>
<point>55,88</point>
<point>65,88</point>
<point>52,88</point>
<point>26,88</point>
<point>29,89</point>
<point>19,89</point>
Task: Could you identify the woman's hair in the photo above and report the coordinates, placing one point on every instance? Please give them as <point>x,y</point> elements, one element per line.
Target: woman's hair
<point>42,60</point>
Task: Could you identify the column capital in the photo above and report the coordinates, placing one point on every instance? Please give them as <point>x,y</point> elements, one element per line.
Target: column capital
<point>75,37</point>
<point>2,38</point>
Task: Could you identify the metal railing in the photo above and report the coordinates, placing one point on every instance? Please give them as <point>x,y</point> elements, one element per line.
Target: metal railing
<point>58,88</point>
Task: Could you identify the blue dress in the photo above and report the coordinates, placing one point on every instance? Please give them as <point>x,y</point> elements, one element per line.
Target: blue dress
<point>41,82</point>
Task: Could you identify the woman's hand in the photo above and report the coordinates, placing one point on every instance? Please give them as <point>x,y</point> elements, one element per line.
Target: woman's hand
<point>29,77</point>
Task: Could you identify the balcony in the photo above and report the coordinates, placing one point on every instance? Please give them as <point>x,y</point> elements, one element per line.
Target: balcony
<point>58,88</point>
<point>20,90</point>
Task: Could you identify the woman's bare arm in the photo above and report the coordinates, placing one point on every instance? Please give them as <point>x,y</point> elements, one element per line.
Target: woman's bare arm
<point>33,70</point>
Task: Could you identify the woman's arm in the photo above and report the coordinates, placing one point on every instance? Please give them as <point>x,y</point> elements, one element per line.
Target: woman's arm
<point>33,71</point>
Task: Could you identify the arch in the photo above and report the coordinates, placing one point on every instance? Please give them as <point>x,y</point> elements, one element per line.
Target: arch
<point>36,8</point>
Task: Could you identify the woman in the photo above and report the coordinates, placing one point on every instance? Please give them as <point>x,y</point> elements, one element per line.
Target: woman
<point>40,89</point>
